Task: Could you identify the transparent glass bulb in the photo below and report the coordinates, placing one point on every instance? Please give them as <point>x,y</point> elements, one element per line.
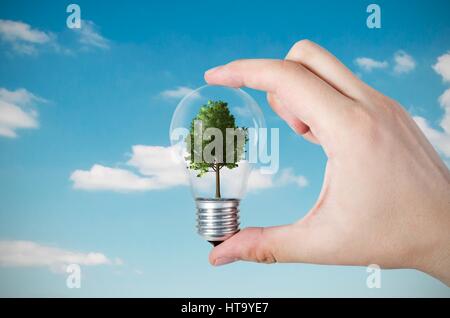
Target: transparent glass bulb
<point>212,132</point>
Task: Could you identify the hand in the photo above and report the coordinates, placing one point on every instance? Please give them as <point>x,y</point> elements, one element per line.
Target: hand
<point>385,199</point>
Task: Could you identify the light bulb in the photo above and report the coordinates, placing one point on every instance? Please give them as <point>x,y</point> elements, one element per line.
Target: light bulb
<point>213,130</point>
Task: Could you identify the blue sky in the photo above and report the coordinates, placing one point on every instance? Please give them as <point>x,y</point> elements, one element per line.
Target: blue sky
<point>76,100</point>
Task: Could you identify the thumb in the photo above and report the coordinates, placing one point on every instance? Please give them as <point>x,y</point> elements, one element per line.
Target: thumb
<point>257,244</point>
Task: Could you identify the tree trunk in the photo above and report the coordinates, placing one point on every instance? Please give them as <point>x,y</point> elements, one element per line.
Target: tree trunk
<point>217,181</point>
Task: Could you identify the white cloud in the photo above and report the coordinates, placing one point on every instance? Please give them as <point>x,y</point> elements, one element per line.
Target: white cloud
<point>138,272</point>
<point>32,254</point>
<point>105,178</point>
<point>90,36</point>
<point>288,177</point>
<point>160,164</point>
<point>444,101</point>
<point>439,138</point>
<point>118,261</point>
<point>404,63</point>
<point>232,181</point>
<point>17,112</point>
<point>242,111</point>
<point>14,31</point>
<point>176,93</point>
<point>367,64</point>
<point>22,37</point>
<point>158,168</point>
<point>259,181</point>
<point>20,96</point>
<point>442,66</point>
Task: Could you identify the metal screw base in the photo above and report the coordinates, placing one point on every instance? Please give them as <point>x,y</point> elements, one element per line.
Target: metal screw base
<point>217,219</point>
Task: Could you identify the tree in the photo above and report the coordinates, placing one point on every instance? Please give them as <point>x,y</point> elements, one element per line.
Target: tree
<point>214,128</point>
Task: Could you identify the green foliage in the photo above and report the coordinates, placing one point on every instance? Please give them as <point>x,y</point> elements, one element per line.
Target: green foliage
<point>215,114</point>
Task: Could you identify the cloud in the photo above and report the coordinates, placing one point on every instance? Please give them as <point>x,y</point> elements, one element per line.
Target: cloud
<point>17,111</point>
<point>157,168</point>
<point>176,93</point>
<point>232,181</point>
<point>444,101</point>
<point>32,254</point>
<point>367,64</point>
<point>259,181</point>
<point>160,164</point>
<point>242,111</point>
<point>442,66</point>
<point>105,178</point>
<point>138,272</point>
<point>404,63</point>
<point>22,37</point>
<point>90,36</point>
<point>288,177</point>
<point>439,138</point>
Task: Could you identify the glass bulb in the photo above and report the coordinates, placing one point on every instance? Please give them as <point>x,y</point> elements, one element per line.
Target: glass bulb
<point>212,130</point>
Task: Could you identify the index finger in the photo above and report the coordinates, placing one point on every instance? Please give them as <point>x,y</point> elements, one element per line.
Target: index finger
<point>303,93</point>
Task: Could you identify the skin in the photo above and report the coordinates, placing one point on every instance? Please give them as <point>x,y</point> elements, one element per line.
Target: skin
<point>385,199</point>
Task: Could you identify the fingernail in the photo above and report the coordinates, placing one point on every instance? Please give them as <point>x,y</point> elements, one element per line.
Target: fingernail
<point>213,70</point>
<point>224,260</point>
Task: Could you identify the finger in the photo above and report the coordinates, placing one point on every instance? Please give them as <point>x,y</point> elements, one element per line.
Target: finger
<point>304,94</point>
<point>309,135</point>
<point>296,124</point>
<point>284,244</point>
<point>262,245</point>
<point>327,67</point>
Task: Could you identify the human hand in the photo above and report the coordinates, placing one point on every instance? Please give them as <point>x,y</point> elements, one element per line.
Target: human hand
<point>386,194</point>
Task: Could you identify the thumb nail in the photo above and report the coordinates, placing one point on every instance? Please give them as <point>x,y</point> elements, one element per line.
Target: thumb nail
<point>213,70</point>
<point>224,260</point>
